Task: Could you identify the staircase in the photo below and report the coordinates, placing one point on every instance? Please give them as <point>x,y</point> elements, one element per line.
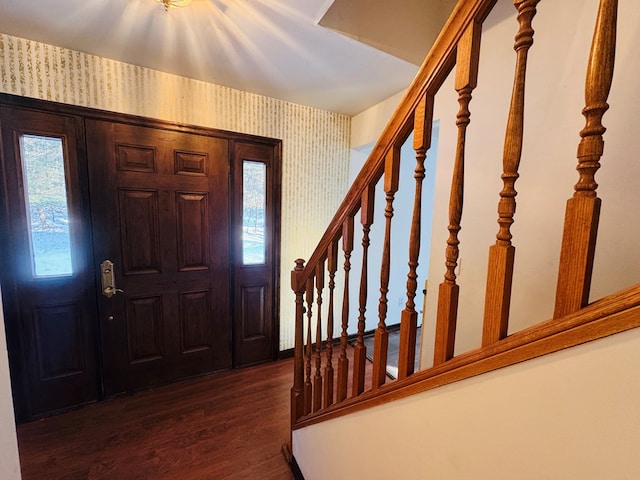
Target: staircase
<point>332,379</point>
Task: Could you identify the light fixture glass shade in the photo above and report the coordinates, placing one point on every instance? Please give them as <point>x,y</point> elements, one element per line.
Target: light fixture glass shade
<point>174,3</point>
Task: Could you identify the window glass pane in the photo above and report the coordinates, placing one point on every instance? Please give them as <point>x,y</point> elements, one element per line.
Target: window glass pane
<point>254,200</point>
<point>46,201</point>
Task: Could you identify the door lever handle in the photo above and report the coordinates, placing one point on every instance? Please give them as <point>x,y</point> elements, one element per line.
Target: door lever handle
<point>108,279</point>
<point>111,291</point>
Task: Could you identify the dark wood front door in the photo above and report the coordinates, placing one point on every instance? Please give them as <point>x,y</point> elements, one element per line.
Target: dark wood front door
<point>188,220</point>
<point>160,214</point>
<point>47,267</point>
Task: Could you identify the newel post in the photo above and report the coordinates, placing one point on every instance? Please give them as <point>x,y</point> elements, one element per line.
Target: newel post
<point>297,391</point>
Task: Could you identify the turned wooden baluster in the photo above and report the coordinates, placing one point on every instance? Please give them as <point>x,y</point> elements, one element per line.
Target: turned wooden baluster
<point>343,361</point>
<point>360,350</point>
<point>421,142</point>
<point>466,80</point>
<point>332,266</point>
<point>583,210</point>
<point>308,386</point>
<point>317,379</point>
<point>297,391</point>
<point>502,253</point>
<point>381,339</point>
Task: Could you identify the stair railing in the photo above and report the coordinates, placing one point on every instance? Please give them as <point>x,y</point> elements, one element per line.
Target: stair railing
<point>320,393</point>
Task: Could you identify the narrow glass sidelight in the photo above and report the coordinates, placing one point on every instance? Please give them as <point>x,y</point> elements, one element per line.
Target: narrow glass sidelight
<point>254,201</point>
<point>46,205</point>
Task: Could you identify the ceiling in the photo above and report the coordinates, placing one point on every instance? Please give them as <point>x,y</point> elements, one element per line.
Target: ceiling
<point>342,55</point>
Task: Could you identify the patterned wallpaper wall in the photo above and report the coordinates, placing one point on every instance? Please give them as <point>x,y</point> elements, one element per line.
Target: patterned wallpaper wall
<point>315,143</point>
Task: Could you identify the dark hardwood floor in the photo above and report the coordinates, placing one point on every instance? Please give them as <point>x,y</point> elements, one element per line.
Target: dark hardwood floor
<point>225,426</point>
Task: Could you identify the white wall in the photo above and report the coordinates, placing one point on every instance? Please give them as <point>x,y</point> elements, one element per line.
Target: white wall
<point>572,415</point>
<point>367,126</point>
<point>9,461</point>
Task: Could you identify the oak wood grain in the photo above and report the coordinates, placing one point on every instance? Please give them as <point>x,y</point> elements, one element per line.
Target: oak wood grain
<point>332,266</point>
<point>381,340</point>
<point>422,128</point>
<point>343,361</point>
<point>583,209</point>
<point>502,254</point>
<point>468,58</point>
<point>360,350</point>
<point>297,390</point>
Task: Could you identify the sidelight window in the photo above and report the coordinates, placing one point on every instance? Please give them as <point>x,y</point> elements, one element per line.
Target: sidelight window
<point>46,205</point>
<point>254,201</point>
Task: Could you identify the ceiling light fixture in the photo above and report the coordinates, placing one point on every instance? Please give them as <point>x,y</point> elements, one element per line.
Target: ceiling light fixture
<point>174,3</point>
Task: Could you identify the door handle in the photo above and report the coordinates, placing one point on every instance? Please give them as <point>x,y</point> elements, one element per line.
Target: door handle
<point>108,279</point>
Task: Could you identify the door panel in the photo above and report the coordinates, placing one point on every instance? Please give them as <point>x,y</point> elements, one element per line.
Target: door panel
<point>256,205</point>
<point>161,214</point>
<point>47,262</point>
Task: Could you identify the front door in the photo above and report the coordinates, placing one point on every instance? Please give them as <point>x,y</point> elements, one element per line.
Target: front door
<point>160,212</point>
<point>132,253</point>
<point>47,268</point>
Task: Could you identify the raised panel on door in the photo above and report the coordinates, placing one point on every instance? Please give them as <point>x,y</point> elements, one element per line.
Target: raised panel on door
<point>256,196</point>
<point>195,327</point>
<point>161,215</point>
<point>139,231</point>
<point>58,337</point>
<point>192,224</point>
<point>144,323</point>
<point>47,275</point>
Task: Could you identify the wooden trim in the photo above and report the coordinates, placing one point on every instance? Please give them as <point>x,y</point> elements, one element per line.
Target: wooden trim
<point>612,314</point>
<point>29,103</point>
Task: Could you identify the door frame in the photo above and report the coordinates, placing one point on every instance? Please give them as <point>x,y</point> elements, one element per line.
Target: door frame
<point>8,286</point>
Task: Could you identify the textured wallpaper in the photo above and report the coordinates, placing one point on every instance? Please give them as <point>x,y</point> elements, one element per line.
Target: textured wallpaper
<point>315,143</point>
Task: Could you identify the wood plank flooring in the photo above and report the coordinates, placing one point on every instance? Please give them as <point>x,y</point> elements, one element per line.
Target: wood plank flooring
<point>225,426</point>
